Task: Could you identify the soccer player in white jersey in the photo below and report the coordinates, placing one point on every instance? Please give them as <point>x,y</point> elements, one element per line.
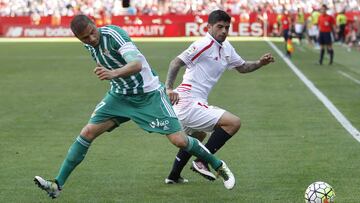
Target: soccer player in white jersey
<point>136,94</point>
<point>205,61</point>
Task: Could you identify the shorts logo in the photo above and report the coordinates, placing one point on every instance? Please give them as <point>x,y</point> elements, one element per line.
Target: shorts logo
<point>158,123</point>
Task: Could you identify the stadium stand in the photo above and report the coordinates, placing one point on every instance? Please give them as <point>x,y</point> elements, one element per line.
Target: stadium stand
<point>152,13</point>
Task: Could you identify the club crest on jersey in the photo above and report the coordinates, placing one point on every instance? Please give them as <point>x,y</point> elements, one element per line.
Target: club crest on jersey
<point>191,50</point>
<point>106,52</point>
<point>227,58</point>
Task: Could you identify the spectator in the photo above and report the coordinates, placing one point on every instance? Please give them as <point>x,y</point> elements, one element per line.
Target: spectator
<point>35,18</point>
<point>56,18</point>
<point>154,7</point>
<point>300,24</point>
<point>351,37</point>
<point>341,21</point>
<point>314,30</point>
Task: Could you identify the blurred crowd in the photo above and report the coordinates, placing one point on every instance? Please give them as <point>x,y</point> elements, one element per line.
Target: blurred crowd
<point>103,10</point>
<point>161,7</point>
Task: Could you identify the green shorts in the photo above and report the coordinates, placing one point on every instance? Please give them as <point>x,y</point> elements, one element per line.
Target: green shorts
<point>152,111</point>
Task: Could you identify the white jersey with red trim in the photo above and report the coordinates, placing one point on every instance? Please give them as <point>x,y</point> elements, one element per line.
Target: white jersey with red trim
<point>206,60</point>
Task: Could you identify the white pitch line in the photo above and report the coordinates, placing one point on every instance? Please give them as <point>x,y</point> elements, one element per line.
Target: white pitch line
<point>349,76</point>
<point>327,103</point>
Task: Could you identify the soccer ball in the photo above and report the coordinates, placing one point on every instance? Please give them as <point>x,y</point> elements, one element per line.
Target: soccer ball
<point>319,192</point>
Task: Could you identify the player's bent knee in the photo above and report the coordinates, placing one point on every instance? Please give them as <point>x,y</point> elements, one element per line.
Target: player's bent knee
<point>235,125</point>
<point>178,140</point>
<point>88,132</point>
<point>181,142</point>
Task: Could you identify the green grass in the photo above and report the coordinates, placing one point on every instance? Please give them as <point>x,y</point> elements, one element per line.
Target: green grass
<point>288,138</point>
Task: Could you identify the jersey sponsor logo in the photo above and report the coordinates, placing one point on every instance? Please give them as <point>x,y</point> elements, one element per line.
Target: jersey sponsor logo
<point>160,124</point>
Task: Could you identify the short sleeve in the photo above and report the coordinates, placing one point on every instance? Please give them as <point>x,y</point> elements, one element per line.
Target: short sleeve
<point>127,47</point>
<point>129,52</point>
<point>193,53</point>
<point>234,59</point>
<point>188,54</point>
<point>121,42</point>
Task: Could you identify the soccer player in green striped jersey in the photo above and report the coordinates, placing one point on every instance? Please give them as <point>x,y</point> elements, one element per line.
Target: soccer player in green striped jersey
<point>135,94</point>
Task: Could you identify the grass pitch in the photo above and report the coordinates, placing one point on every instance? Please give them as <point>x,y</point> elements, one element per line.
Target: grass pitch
<point>288,139</point>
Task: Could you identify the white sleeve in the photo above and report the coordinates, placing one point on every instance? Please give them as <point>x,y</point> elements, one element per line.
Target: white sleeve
<point>194,52</point>
<point>234,59</point>
<point>187,55</point>
<point>127,47</point>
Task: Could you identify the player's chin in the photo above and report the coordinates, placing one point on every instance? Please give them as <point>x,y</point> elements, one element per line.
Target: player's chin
<point>221,38</point>
<point>94,43</point>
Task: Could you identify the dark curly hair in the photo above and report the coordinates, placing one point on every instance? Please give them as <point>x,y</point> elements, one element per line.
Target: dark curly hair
<point>217,16</point>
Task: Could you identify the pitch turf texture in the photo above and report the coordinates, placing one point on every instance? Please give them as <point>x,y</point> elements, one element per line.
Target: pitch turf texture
<point>288,139</point>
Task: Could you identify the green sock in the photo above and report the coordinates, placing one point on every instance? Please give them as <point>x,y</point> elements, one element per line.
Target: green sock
<point>74,157</point>
<point>197,149</point>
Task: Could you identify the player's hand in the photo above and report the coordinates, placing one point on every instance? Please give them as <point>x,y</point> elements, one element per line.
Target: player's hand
<point>266,59</point>
<point>103,73</point>
<point>173,96</point>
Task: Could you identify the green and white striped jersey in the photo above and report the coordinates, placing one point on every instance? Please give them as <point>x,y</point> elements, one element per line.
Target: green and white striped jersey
<point>114,43</point>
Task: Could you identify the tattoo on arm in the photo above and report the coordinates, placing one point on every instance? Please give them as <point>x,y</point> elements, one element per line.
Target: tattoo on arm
<point>249,66</point>
<point>174,68</point>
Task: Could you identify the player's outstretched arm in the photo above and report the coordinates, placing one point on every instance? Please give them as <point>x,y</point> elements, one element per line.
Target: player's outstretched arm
<point>174,68</point>
<point>250,66</point>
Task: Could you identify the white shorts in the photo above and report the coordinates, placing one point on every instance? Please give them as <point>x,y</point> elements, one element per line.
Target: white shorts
<point>197,116</point>
<point>313,31</point>
<point>299,28</point>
